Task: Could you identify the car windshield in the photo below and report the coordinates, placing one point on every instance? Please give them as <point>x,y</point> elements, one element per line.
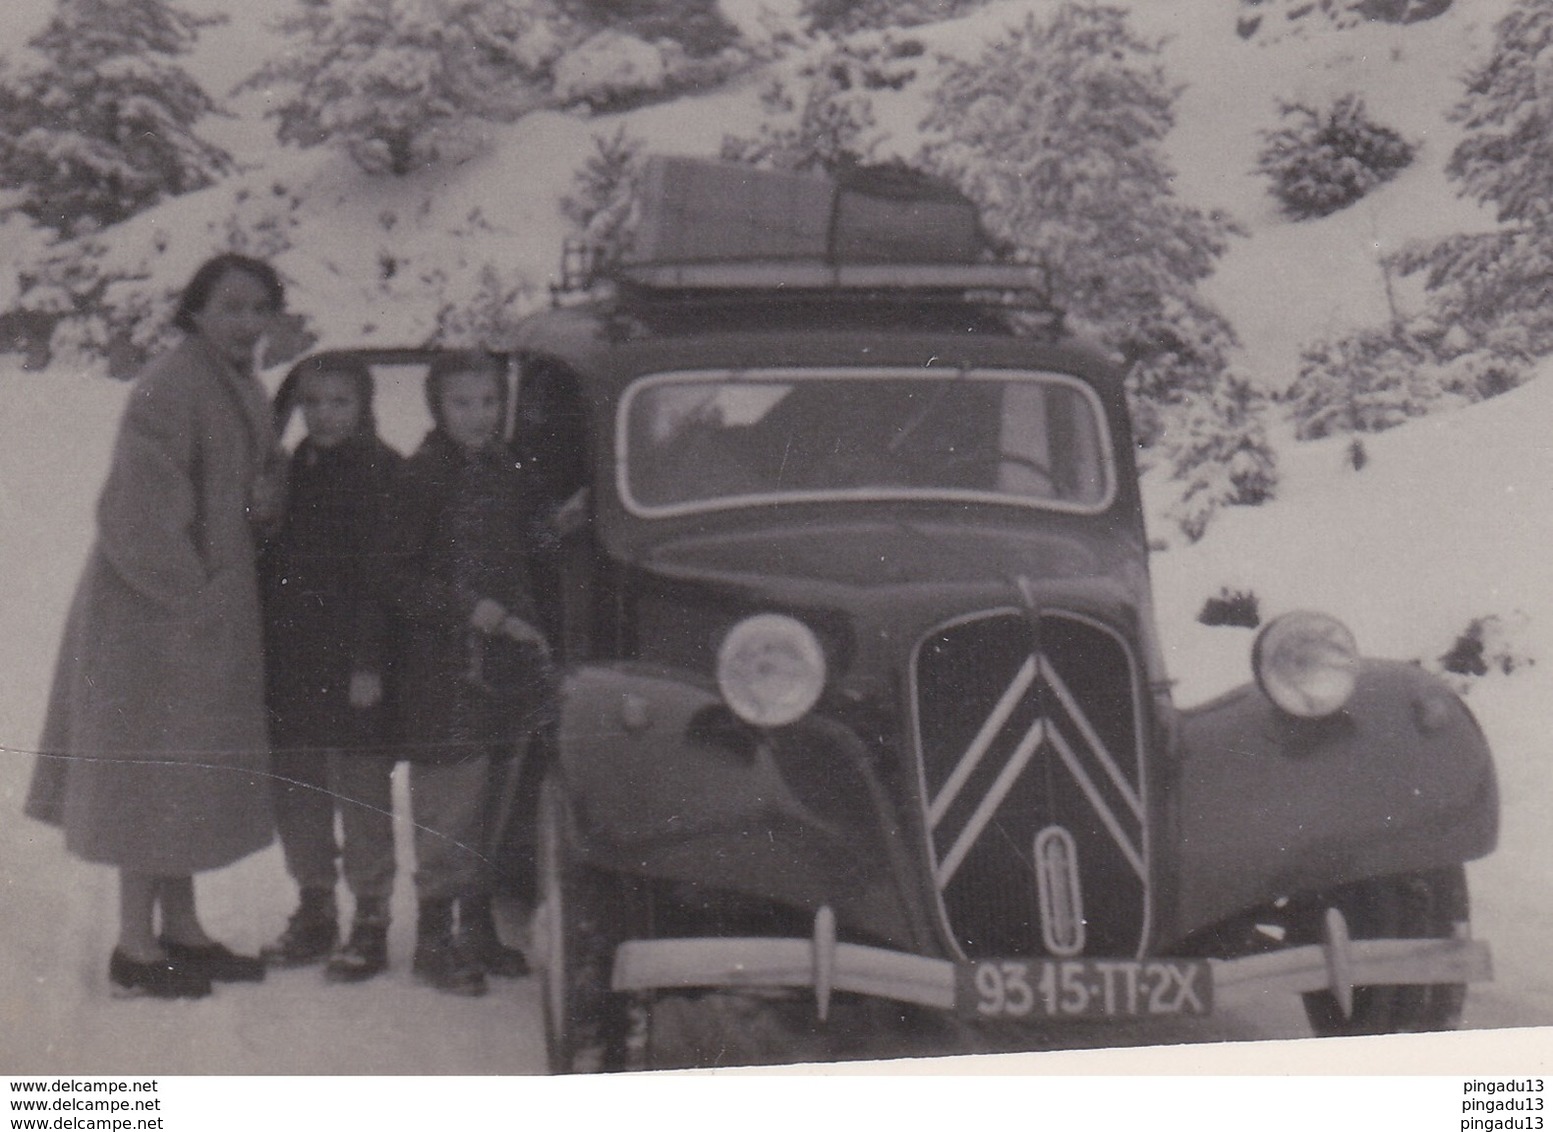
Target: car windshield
<point>699,440</point>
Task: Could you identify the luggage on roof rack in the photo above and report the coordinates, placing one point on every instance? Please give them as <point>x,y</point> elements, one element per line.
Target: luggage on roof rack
<point>700,211</point>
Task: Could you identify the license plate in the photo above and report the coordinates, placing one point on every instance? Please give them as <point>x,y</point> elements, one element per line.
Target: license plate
<point>1083,988</point>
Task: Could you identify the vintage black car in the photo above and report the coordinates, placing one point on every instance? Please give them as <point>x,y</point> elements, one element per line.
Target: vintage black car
<point>862,696</point>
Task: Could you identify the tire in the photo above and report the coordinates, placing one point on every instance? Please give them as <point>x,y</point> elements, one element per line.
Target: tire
<point>583,916</point>
<point>1430,905</point>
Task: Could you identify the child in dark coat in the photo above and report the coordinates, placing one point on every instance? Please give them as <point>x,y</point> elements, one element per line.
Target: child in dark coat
<point>325,650</point>
<point>470,659</point>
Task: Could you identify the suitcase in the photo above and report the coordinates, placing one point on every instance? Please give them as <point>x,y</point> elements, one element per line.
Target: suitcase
<point>699,211</point>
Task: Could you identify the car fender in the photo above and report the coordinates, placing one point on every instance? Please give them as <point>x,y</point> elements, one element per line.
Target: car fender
<point>665,782</point>
<point>1267,805</point>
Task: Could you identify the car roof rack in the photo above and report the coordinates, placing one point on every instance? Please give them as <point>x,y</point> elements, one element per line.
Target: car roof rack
<point>1020,289</point>
<point>585,268</point>
<point>822,275</point>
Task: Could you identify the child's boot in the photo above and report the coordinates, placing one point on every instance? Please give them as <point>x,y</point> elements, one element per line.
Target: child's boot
<point>310,933</point>
<point>477,932</point>
<point>365,954</point>
<point>439,961</point>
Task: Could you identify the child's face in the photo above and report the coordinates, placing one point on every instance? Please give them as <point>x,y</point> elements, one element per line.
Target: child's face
<point>331,406</point>
<point>471,407</point>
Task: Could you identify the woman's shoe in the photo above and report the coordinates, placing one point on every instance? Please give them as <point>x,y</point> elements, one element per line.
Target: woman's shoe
<point>215,961</point>
<point>156,978</point>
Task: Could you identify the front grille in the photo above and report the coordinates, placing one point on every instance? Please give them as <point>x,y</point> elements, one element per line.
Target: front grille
<point>1028,733</point>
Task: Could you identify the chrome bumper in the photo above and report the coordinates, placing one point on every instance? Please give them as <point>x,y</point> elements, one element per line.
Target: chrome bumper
<point>1338,964</point>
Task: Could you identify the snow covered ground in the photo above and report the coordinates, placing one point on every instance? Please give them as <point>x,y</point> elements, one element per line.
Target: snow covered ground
<point>1451,519</point>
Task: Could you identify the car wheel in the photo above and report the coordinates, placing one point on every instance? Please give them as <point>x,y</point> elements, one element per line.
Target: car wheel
<point>1430,905</point>
<point>582,917</point>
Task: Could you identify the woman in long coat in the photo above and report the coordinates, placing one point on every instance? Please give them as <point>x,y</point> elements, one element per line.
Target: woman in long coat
<point>154,749</point>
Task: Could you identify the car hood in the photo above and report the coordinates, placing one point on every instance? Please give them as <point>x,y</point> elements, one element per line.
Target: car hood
<point>828,561</point>
<point>880,585</point>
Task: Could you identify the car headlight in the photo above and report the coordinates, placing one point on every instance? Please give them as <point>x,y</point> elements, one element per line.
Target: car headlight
<point>770,669</point>
<point>1307,663</point>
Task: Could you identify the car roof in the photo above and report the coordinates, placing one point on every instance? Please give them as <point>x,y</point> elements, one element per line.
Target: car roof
<point>662,317</point>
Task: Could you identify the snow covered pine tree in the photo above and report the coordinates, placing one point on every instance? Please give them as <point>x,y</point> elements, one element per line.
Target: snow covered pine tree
<point>99,124</point>
<point>1055,129</point>
<point>1493,284</point>
<point>401,84</point>
<point>1321,161</point>
<point>829,124</point>
<point>1490,309</point>
<point>601,203</point>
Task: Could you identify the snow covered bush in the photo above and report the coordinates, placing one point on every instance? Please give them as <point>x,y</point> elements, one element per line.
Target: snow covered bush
<point>98,123</point>
<point>613,71</point>
<point>1357,382</point>
<point>609,69</point>
<point>1272,18</point>
<point>622,53</point>
<point>1216,445</point>
<point>401,84</point>
<point>1056,130</point>
<point>108,301</point>
<point>487,314</point>
<point>1372,379</point>
<point>602,200</point>
<point>1321,161</point>
<point>1489,644</point>
<point>109,306</point>
<point>828,121</point>
<point>697,27</point>
<point>62,284</point>
<point>856,15</point>
<point>1231,607</point>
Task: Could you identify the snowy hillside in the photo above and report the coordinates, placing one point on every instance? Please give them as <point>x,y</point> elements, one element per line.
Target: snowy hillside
<point>1450,520</point>
<point>377,258</point>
